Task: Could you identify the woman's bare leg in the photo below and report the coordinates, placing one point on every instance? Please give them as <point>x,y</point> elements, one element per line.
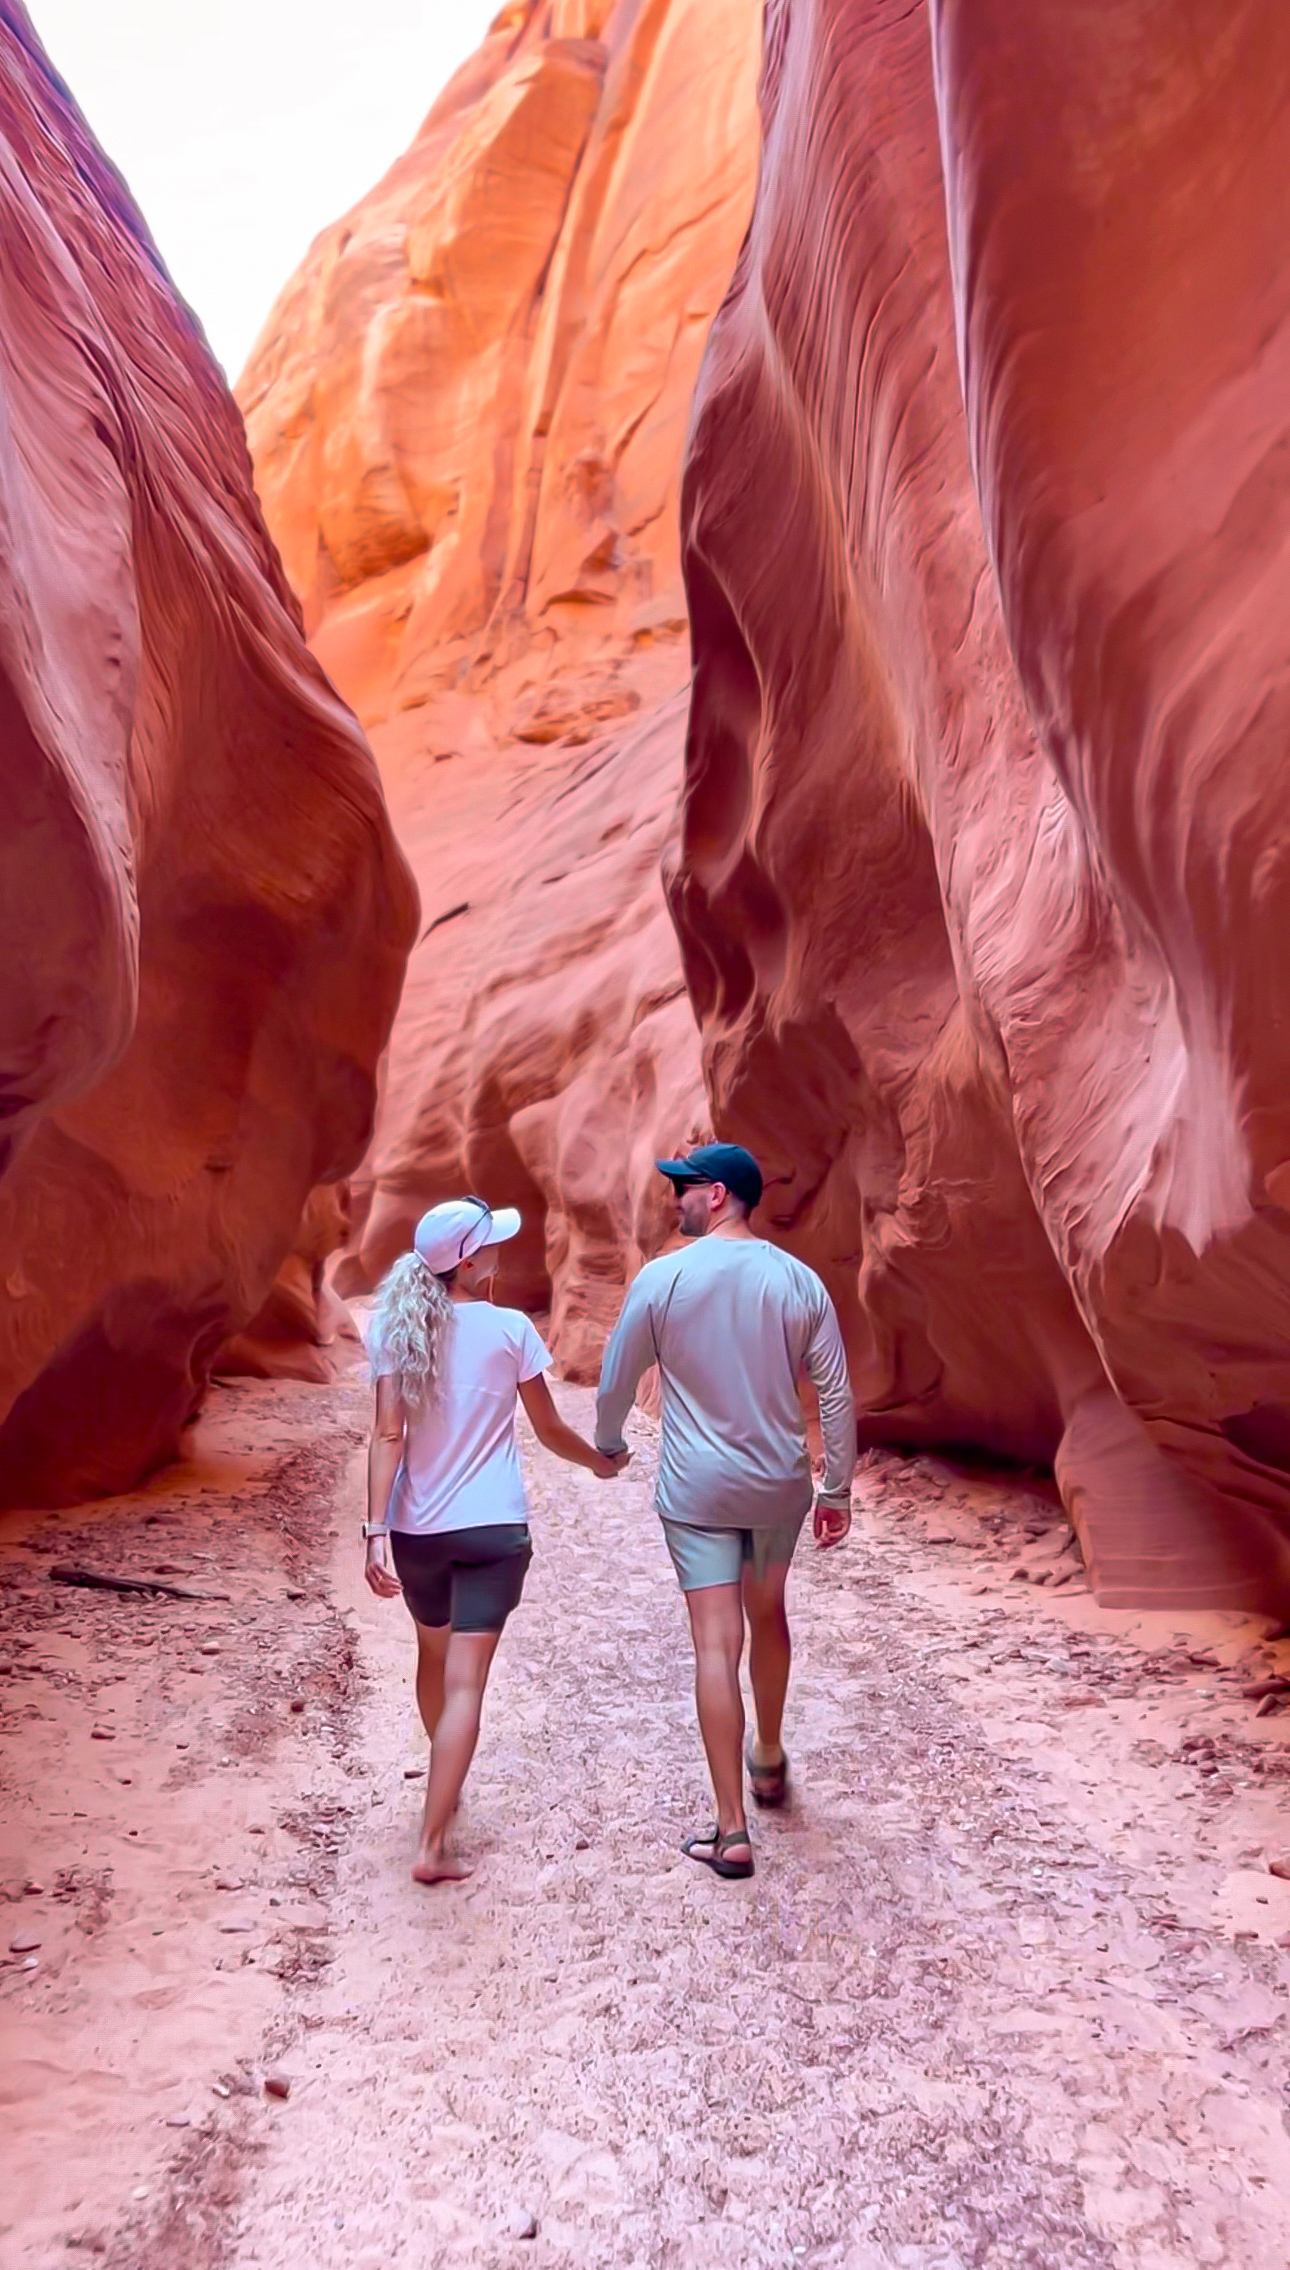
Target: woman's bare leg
<point>467,1665</point>
<point>432,1649</point>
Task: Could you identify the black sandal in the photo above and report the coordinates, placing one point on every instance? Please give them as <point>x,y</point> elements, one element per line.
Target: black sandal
<point>769,1784</point>
<point>716,1859</point>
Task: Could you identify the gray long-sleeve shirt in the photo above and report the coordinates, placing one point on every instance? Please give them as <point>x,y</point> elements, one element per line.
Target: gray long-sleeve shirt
<point>731,1324</point>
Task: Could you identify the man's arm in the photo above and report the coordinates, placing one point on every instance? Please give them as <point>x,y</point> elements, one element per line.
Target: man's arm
<point>826,1366</point>
<point>630,1352</point>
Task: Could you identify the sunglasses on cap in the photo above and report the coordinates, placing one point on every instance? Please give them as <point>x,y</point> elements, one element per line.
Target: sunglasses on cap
<point>484,1208</point>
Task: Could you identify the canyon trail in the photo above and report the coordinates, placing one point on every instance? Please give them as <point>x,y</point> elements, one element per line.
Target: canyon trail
<point>985,2002</point>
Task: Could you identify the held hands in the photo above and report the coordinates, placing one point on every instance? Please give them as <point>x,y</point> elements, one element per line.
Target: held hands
<point>608,1466</point>
<point>832,1521</point>
<point>380,1576</point>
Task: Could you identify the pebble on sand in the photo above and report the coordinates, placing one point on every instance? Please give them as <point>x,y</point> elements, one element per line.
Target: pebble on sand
<point>24,1942</point>
<point>209,1647</point>
<point>277,2085</point>
<point>521,2223</point>
<point>297,1704</point>
<point>238,1923</point>
<point>102,1734</point>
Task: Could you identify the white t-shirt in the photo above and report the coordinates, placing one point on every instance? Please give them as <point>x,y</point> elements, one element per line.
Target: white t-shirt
<point>460,1467</point>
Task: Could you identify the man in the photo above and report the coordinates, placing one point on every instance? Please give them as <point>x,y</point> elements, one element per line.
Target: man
<point>732,1322</point>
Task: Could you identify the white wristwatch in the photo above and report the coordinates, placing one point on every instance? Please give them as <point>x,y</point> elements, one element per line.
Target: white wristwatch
<point>376,1529</point>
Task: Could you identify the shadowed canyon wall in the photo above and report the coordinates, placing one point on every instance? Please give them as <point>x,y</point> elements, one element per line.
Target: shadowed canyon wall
<point>467,414</point>
<point>982,882</point>
<point>204,915</point>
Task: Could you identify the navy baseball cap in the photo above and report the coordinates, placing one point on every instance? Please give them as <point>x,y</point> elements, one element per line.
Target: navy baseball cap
<point>717,1162</point>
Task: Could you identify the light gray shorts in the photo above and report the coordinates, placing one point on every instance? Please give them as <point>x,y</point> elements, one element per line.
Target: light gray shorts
<point>719,1556</point>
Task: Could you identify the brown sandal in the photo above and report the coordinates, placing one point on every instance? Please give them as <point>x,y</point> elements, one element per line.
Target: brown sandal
<point>716,1859</point>
<point>769,1784</point>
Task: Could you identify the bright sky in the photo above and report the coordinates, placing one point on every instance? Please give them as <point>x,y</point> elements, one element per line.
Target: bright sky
<point>244,126</point>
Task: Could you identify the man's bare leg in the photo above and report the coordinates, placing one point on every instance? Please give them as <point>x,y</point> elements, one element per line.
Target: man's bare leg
<point>770,1659</point>
<point>467,1664</point>
<point>717,1626</point>
<point>432,1650</point>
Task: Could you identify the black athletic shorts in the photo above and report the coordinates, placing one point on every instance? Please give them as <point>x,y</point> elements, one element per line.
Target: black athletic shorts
<point>469,1578</point>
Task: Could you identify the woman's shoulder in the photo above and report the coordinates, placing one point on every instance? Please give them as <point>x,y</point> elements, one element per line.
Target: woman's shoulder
<point>498,1323</point>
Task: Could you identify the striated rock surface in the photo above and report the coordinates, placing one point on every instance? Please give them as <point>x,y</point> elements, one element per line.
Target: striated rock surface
<point>302,1330</point>
<point>204,916</point>
<point>467,414</point>
<point>982,878</point>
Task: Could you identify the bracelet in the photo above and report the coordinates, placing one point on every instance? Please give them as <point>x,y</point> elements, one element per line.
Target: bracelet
<point>376,1529</point>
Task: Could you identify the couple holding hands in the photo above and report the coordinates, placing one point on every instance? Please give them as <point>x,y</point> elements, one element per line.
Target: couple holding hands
<point>732,1322</point>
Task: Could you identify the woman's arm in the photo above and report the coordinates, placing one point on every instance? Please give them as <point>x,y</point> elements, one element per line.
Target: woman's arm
<point>383,1456</point>
<point>566,1442</point>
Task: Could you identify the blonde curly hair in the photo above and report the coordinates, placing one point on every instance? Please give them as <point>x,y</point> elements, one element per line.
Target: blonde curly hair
<point>410,1327</point>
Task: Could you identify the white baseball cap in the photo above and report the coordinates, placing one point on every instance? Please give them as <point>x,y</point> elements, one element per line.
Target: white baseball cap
<point>450,1233</point>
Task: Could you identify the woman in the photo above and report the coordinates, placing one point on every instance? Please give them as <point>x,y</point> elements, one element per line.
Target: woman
<point>444,1485</point>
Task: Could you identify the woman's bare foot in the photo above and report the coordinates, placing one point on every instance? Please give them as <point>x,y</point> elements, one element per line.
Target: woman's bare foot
<point>440,1868</point>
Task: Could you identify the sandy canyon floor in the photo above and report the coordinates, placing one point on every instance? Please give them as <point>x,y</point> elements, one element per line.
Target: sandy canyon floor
<point>1009,1987</point>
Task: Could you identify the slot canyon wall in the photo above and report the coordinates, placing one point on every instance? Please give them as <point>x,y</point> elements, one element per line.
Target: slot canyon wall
<point>204,915</point>
<point>982,880</point>
<point>467,414</point>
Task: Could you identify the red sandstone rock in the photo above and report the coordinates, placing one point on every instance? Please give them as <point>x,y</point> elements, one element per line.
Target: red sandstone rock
<point>303,1328</point>
<point>467,415</point>
<point>204,917</point>
<point>545,1049</point>
<point>983,906</point>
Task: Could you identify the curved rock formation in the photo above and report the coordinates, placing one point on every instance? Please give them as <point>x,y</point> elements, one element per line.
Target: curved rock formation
<point>982,903</point>
<point>303,1330</point>
<point>203,912</point>
<point>467,414</point>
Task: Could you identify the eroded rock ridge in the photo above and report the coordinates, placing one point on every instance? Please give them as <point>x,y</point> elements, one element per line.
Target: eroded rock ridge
<point>467,414</point>
<point>204,915</point>
<point>983,873</point>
